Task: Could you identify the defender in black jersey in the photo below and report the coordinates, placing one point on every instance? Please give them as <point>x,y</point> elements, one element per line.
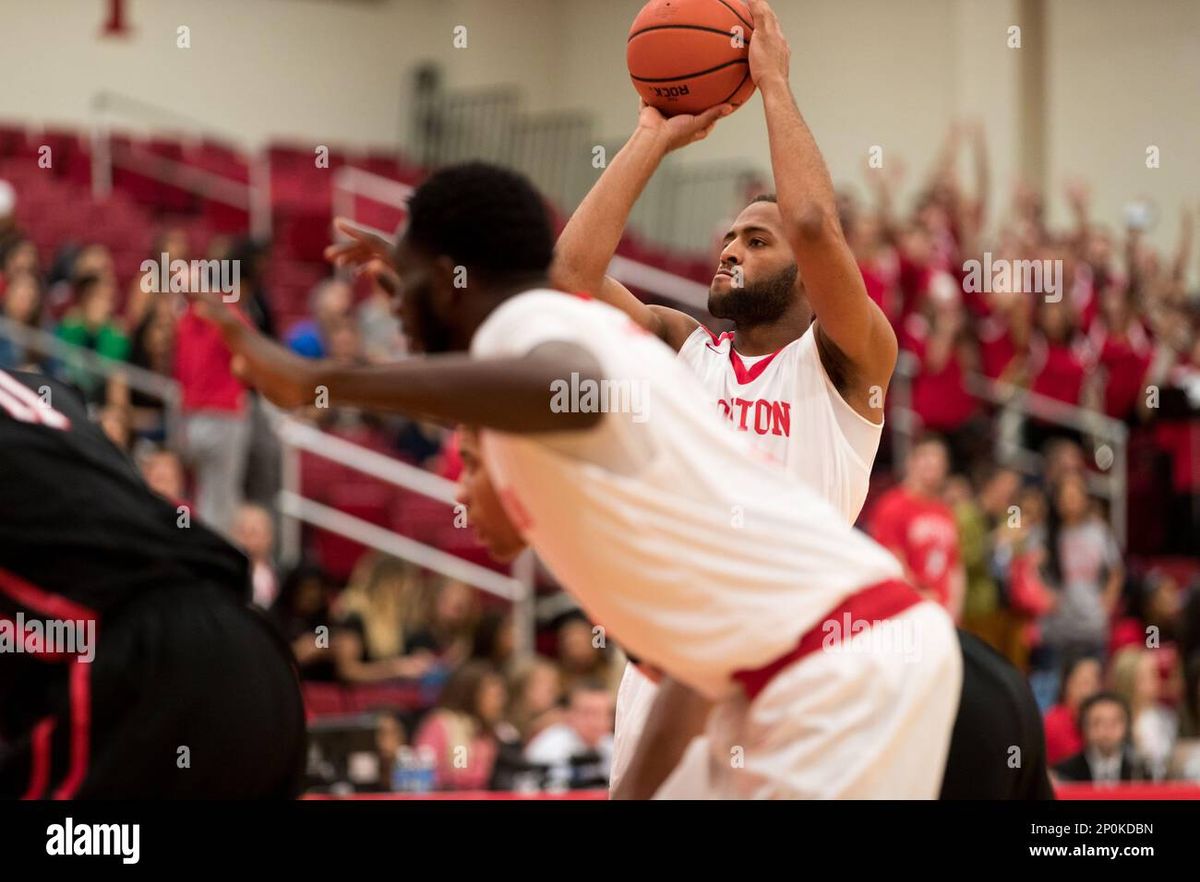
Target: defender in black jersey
<point>190,693</point>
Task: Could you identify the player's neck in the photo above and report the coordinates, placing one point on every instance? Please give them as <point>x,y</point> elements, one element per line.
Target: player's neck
<point>763,339</point>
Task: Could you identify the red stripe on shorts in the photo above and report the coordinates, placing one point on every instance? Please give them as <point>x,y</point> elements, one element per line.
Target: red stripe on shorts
<point>874,603</point>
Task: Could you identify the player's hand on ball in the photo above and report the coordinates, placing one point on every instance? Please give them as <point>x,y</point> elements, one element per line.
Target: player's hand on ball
<point>770,55</point>
<point>686,128</point>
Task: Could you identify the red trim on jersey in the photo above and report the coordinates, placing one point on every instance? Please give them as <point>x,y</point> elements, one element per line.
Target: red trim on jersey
<point>39,760</point>
<point>81,726</point>
<point>874,603</point>
<point>79,683</point>
<point>715,339</point>
<point>54,606</point>
<point>740,371</point>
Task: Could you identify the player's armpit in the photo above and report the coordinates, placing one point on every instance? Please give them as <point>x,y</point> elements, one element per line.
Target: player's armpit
<point>677,716</point>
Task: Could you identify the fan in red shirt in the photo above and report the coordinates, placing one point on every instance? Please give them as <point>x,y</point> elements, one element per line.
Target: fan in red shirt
<point>1081,680</point>
<point>913,522</point>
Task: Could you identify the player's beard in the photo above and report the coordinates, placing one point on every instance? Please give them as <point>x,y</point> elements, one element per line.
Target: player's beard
<point>756,303</point>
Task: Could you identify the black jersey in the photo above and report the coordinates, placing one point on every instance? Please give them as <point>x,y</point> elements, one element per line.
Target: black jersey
<point>77,521</point>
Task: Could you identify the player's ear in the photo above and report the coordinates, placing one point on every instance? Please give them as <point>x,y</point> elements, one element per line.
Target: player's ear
<point>450,281</point>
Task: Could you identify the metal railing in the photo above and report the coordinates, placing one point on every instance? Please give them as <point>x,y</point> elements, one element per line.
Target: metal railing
<point>296,437</point>
<point>254,198</point>
<point>1016,406</point>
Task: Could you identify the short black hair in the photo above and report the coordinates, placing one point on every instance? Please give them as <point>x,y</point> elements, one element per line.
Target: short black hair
<point>483,217</point>
<point>1101,698</point>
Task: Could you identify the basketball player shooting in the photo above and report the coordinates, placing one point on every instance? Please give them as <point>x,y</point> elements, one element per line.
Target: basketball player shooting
<point>806,367</point>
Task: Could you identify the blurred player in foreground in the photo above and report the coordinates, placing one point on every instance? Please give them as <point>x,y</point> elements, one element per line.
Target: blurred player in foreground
<point>826,675</point>
<point>162,682</point>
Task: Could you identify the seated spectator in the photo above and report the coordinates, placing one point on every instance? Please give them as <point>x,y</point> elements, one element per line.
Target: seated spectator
<point>22,306</point>
<point>534,698</point>
<point>254,533</point>
<point>390,738</point>
<point>450,631</point>
<point>577,752</point>
<point>493,640</point>
<point>163,473</point>
<point>90,325</point>
<point>375,622</point>
<point>1106,756</point>
<point>1080,681</point>
<point>116,423</point>
<point>302,608</point>
<point>19,257</point>
<point>1154,728</point>
<point>329,305</point>
<point>463,729</point>
<point>582,651</point>
<point>153,348</point>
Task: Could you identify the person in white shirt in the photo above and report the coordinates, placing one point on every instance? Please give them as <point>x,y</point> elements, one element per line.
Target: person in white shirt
<point>825,674</point>
<point>578,751</point>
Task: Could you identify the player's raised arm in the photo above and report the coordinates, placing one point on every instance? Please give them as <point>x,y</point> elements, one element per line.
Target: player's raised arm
<point>590,239</point>
<point>846,316</point>
<point>510,394</point>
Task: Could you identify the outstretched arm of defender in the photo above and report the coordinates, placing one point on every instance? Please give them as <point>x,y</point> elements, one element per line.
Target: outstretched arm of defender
<point>510,394</point>
<point>590,239</point>
<point>846,316</point>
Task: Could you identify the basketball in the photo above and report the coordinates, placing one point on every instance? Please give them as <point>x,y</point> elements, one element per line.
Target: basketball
<point>685,56</point>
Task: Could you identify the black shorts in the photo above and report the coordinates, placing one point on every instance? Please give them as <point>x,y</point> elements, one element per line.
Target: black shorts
<point>190,695</point>
<point>997,749</point>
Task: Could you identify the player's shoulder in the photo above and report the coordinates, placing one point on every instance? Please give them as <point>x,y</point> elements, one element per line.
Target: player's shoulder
<point>546,303</point>
<point>702,338</point>
<point>49,392</point>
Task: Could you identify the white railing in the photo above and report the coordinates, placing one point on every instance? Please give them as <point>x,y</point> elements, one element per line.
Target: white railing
<point>253,198</point>
<point>349,183</point>
<point>1017,405</point>
<point>77,358</point>
<point>297,437</point>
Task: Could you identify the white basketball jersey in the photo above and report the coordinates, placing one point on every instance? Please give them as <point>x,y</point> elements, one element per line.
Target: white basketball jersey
<point>788,407</point>
<point>666,527</point>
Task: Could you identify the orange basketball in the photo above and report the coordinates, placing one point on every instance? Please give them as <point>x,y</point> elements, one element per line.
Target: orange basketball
<point>687,55</point>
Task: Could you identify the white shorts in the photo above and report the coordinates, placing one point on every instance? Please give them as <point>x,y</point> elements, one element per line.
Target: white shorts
<point>870,720</point>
